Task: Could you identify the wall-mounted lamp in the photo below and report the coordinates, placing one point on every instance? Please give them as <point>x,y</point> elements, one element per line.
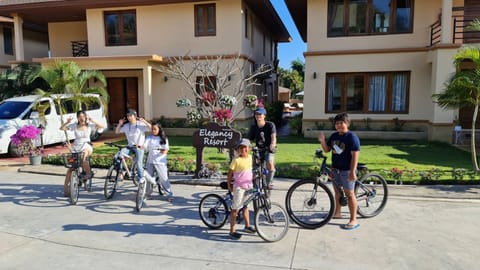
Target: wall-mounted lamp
<point>314,75</point>
<point>165,78</point>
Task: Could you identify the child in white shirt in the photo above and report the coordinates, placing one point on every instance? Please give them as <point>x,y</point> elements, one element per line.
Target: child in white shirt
<point>157,146</point>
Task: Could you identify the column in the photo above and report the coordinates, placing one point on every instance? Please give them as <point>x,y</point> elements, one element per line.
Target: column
<point>18,33</point>
<point>147,92</point>
<point>447,32</point>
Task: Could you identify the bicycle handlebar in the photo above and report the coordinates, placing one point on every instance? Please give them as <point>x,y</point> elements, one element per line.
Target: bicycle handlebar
<point>121,146</point>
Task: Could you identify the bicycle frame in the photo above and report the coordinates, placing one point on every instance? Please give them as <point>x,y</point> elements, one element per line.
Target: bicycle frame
<point>326,170</point>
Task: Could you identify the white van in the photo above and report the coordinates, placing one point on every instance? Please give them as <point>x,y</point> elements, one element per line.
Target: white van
<point>18,111</point>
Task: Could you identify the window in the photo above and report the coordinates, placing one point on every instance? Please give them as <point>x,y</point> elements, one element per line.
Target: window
<point>205,21</point>
<point>383,92</point>
<point>205,87</point>
<point>120,28</point>
<point>369,17</point>
<point>7,40</point>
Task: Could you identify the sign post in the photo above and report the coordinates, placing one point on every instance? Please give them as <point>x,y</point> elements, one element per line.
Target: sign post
<point>214,135</point>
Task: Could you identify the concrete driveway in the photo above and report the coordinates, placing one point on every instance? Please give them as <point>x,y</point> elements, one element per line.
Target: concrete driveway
<point>39,229</point>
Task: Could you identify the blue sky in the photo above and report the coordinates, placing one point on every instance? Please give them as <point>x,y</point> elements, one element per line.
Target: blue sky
<point>287,52</point>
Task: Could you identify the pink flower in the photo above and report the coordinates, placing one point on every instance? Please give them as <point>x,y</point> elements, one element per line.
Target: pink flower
<point>24,137</point>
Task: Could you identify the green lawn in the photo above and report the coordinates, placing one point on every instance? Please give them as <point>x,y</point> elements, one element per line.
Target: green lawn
<point>296,153</point>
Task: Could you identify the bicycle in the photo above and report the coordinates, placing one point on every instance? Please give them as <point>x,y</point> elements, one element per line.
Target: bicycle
<point>147,187</point>
<point>271,220</point>
<point>260,168</point>
<point>310,203</point>
<point>74,162</point>
<point>118,169</point>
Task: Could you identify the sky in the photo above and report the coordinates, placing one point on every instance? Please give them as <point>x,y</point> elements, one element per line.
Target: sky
<point>289,51</point>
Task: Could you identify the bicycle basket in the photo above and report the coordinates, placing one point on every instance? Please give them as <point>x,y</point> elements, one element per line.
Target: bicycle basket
<point>72,160</point>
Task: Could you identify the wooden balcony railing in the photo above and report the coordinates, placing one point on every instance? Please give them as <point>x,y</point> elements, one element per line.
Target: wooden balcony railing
<point>460,34</point>
<point>79,48</point>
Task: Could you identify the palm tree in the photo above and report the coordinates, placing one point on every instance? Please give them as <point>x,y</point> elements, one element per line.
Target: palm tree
<point>67,78</point>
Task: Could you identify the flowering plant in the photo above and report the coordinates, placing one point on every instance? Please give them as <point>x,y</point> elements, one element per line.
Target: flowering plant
<point>396,173</point>
<point>193,115</point>
<point>24,139</point>
<point>223,115</point>
<point>250,101</point>
<point>228,101</point>
<point>183,102</point>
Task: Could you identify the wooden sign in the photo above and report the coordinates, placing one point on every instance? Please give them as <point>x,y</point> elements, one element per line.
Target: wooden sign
<point>214,135</point>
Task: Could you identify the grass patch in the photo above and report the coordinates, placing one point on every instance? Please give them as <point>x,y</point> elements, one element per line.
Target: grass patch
<point>294,158</point>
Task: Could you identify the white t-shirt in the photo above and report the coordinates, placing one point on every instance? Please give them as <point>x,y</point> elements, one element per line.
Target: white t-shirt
<point>153,146</point>
<point>135,133</point>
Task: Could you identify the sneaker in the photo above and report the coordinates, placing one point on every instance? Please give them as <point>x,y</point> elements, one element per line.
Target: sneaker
<point>235,235</point>
<point>141,180</point>
<point>250,229</point>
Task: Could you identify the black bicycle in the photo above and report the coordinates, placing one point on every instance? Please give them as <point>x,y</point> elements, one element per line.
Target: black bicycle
<point>78,177</point>
<point>271,219</point>
<point>120,170</point>
<point>311,204</point>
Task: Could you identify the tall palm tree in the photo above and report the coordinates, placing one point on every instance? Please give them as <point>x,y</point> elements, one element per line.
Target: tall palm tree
<point>67,78</point>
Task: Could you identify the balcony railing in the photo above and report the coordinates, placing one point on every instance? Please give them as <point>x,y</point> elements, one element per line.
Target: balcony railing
<point>460,34</point>
<point>79,48</point>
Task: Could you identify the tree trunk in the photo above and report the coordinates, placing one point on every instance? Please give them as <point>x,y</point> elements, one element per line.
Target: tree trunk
<point>472,144</point>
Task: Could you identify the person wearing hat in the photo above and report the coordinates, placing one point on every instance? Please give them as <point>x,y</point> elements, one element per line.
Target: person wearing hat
<point>134,129</point>
<point>239,180</point>
<point>264,134</point>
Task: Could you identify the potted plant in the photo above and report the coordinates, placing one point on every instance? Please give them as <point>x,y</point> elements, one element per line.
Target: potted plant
<point>25,139</point>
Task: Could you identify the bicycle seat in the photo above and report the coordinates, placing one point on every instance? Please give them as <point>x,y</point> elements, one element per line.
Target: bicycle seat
<point>224,185</point>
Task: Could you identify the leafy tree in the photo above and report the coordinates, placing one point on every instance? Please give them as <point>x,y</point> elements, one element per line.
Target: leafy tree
<point>463,88</point>
<point>20,80</point>
<point>67,78</point>
<point>292,78</point>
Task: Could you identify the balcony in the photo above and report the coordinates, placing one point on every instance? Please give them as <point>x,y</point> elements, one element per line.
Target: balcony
<point>79,48</point>
<point>460,34</point>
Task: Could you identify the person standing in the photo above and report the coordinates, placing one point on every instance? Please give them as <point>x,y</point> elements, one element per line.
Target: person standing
<point>134,129</point>
<point>157,146</point>
<point>264,134</point>
<point>345,147</point>
<point>239,180</point>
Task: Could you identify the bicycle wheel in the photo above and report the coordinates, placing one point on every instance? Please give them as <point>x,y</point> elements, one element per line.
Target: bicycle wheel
<point>371,192</point>
<point>74,188</point>
<point>310,204</point>
<point>213,211</point>
<point>111,181</point>
<point>141,191</point>
<point>135,173</point>
<point>271,222</point>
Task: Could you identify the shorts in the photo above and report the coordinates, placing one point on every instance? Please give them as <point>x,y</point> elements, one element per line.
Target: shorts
<point>238,197</point>
<point>341,177</point>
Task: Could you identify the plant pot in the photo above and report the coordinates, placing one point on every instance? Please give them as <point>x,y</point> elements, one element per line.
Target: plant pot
<point>36,160</point>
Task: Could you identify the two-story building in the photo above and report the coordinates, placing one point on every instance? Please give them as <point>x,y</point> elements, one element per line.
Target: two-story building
<point>130,40</point>
<point>382,59</point>
<point>34,38</point>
